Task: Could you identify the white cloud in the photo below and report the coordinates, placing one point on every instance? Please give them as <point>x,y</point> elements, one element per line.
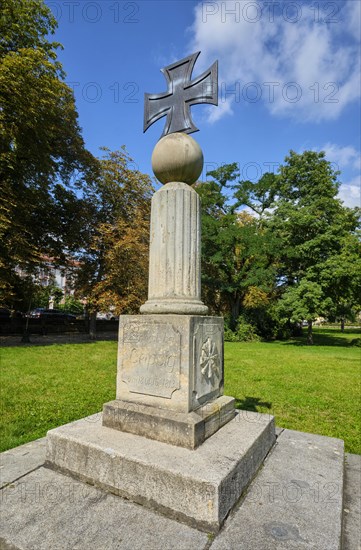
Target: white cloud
<point>353,18</point>
<point>305,69</point>
<point>350,193</point>
<point>224,108</point>
<point>343,156</point>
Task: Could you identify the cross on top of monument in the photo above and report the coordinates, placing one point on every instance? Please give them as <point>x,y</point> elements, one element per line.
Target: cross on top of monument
<point>182,93</point>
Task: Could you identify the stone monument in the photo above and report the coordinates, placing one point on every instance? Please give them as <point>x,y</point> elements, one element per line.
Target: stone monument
<point>170,360</point>
<point>171,439</point>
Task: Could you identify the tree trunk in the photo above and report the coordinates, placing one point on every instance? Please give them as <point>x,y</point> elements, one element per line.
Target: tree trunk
<point>309,334</point>
<point>93,325</point>
<point>235,309</point>
<point>25,339</point>
<point>342,324</point>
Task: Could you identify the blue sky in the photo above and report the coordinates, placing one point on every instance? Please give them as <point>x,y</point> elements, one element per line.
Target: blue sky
<point>289,77</point>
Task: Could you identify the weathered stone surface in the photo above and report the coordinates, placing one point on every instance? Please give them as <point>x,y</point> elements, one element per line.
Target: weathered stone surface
<point>175,255</point>
<point>56,522</point>
<point>199,487</point>
<point>19,461</point>
<point>47,510</point>
<point>295,502</point>
<point>352,503</point>
<point>177,157</point>
<point>183,429</point>
<point>170,361</point>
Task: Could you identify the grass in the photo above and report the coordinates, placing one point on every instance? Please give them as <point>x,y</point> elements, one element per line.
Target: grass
<point>308,388</point>
<point>312,389</point>
<point>45,386</point>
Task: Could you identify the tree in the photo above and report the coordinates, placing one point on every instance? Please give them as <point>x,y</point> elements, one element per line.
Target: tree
<point>340,278</point>
<point>304,301</point>
<point>299,240</point>
<point>114,257</point>
<point>237,264</point>
<point>307,215</point>
<point>313,227</point>
<point>42,155</point>
<point>259,196</point>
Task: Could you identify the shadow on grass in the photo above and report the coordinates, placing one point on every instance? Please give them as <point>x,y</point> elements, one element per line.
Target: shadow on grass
<point>51,340</point>
<point>325,340</point>
<point>327,337</point>
<point>251,404</point>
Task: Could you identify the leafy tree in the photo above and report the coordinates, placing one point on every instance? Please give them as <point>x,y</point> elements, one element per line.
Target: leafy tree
<point>72,305</point>
<point>300,240</point>
<point>340,278</point>
<point>114,257</point>
<point>304,301</point>
<point>258,196</point>
<point>308,216</point>
<point>43,160</point>
<point>237,265</point>
<point>314,227</point>
<point>26,24</point>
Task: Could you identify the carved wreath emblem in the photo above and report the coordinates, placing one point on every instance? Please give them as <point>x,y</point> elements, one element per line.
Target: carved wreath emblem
<point>209,359</point>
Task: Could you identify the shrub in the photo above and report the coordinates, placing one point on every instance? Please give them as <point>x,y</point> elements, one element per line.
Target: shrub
<point>72,305</point>
<point>244,332</point>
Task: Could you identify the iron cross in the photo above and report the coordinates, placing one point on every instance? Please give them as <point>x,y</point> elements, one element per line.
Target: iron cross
<point>182,93</point>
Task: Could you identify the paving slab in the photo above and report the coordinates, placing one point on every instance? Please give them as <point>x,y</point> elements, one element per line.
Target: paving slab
<point>198,486</point>
<point>48,510</point>
<point>295,502</point>
<point>352,503</point>
<point>21,460</point>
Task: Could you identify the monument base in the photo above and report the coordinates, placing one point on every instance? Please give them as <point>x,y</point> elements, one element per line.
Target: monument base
<point>182,429</point>
<point>172,362</point>
<point>198,487</point>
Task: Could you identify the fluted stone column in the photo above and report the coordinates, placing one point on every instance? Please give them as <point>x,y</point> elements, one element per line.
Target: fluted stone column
<point>175,241</point>
<point>175,255</point>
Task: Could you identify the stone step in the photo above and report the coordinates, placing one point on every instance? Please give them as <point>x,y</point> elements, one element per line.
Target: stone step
<point>295,501</point>
<point>198,487</point>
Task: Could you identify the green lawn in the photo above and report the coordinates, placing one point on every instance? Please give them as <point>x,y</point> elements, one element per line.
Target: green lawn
<point>45,386</point>
<point>313,389</point>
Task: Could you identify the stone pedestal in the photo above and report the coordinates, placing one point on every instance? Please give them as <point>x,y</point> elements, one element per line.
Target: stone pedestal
<point>170,361</point>
<point>170,379</point>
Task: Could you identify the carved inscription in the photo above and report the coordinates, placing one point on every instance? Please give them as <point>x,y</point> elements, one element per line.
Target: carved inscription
<point>151,358</point>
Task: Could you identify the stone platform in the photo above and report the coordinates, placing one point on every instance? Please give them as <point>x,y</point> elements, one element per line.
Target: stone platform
<point>198,487</point>
<point>299,500</point>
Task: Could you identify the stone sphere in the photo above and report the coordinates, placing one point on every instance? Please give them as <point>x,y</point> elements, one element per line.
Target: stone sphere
<point>177,157</point>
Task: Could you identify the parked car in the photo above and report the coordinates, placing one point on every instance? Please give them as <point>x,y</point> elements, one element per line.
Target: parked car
<point>52,315</point>
<point>101,316</point>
